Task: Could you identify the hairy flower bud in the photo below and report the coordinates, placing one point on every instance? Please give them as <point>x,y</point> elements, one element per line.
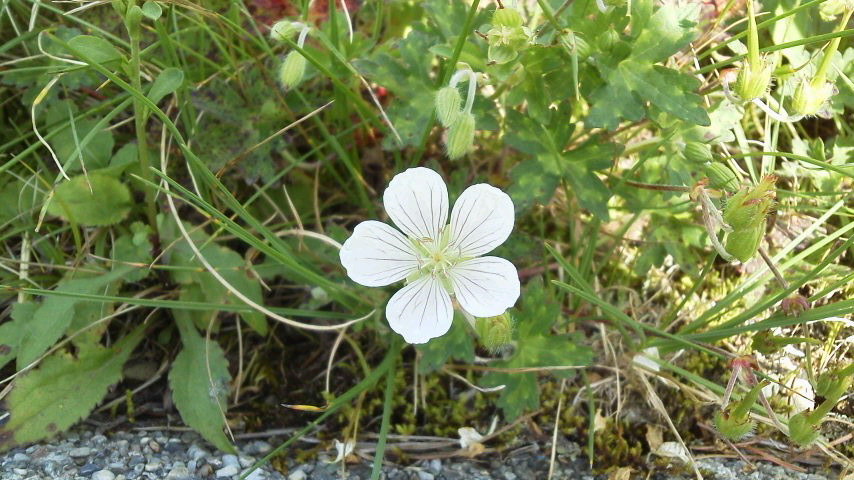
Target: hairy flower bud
<point>495,332</point>
<point>743,243</point>
<point>460,136</point>
<point>734,422</point>
<point>292,69</point>
<point>749,207</point>
<point>721,177</point>
<point>284,29</point>
<point>810,98</point>
<point>698,152</point>
<point>507,17</point>
<point>754,80</point>
<point>801,430</point>
<point>448,101</point>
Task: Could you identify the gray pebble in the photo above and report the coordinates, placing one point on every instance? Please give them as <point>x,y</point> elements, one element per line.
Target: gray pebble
<point>255,475</point>
<point>153,465</point>
<point>178,472</point>
<point>80,452</point>
<point>230,461</point>
<point>298,475</point>
<point>88,469</point>
<point>20,457</point>
<point>103,475</point>
<point>227,471</point>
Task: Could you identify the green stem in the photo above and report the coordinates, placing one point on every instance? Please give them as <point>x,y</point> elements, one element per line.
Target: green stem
<point>821,74</point>
<point>386,422</point>
<point>140,120</point>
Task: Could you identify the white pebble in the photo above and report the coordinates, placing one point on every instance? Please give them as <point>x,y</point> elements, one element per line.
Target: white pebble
<point>227,471</point>
<point>297,475</point>
<point>103,475</point>
<point>80,452</point>
<point>228,460</point>
<point>256,475</point>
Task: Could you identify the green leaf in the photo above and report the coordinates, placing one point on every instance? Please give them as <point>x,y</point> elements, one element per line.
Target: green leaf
<point>95,49</point>
<point>199,381</point>
<point>457,343</point>
<point>532,184</point>
<point>135,247</point>
<point>70,148</point>
<point>151,10</point>
<point>62,390</point>
<point>50,321</point>
<point>12,331</point>
<point>93,200</point>
<point>632,83</point>
<point>536,346</point>
<point>167,82</point>
<point>671,28</point>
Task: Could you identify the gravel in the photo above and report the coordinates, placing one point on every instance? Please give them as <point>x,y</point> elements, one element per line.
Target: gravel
<point>185,456</point>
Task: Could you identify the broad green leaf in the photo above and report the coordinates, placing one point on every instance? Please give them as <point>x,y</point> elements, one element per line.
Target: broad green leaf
<point>135,247</point>
<point>532,184</point>
<point>62,390</point>
<point>167,82</point>
<point>95,49</point>
<point>12,331</point>
<point>93,200</point>
<point>71,146</point>
<point>199,381</point>
<point>52,318</point>
<point>457,343</point>
<point>521,392</point>
<point>671,28</point>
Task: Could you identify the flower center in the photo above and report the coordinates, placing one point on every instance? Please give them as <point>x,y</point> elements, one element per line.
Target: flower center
<point>436,257</point>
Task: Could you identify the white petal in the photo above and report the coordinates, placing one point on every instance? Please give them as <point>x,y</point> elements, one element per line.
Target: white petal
<point>417,202</point>
<point>420,311</point>
<point>486,286</point>
<point>482,219</point>
<point>377,255</point>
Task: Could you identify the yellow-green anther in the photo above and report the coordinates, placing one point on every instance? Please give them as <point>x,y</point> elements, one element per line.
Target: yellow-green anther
<point>448,103</point>
<point>460,136</point>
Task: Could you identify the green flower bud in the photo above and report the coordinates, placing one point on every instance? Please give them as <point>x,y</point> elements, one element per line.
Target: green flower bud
<point>448,101</point>
<point>810,98</point>
<point>460,136</point>
<point>721,177</point>
<point>507,17</point>
<point>133,19</point>
<point>734,421</point>
<point>698,152</point>
<point>801,430</point>
<point>495,332</point>
<point>750,206</point>
<point>284,29</point>
<point>292,70</point>
<point>743,243</point>
<point>754,80</point>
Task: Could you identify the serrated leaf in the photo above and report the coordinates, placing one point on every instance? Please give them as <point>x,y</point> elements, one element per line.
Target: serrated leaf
<point>12,331</point>
<point>167,82</point>
<point>670,29</point>
<point>62,390</point>
<point>532,184</point>
<point>95,49</point>
<point>521,392</point>
<point>200,393</point>
<point>457,343</point>
<point>52,318</point>
<point>94,200</point>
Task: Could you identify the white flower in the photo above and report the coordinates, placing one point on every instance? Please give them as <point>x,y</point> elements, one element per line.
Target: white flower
<point>436,258</point>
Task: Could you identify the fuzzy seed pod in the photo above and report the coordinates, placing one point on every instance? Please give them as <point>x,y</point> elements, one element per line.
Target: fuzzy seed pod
<point>734,421</point>
<point>697,152</point>
<point>495,332</point>
<point>754,80</point>
<point>743,243</point>
<point>292,70</point>
<point>448,101</point>
<point>460,136</point>
<point>809,99</point>
<point>721,177</point>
